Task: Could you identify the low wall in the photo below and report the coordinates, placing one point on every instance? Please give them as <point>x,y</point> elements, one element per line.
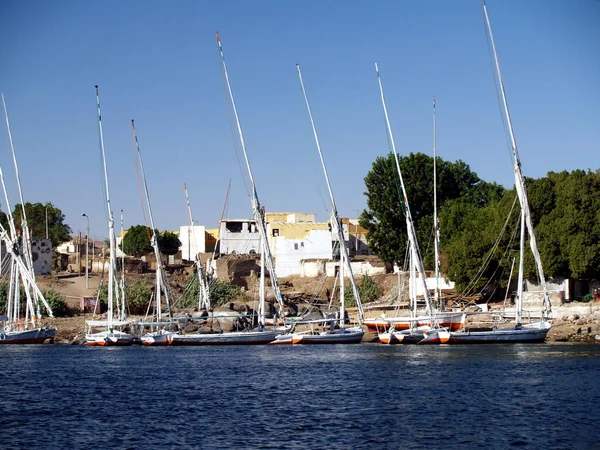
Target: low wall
<point>317,267</point>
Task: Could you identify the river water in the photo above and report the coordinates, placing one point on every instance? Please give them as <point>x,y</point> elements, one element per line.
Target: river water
<point>336,396</point>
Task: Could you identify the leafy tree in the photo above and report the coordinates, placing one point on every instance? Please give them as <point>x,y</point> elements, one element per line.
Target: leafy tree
<point>470,237</point>
<point>58,231</point>
<point>565,209</point>
<point>385,217</point>
<point>136,241</point>
<point>569,229</point>
<point>168,243</point>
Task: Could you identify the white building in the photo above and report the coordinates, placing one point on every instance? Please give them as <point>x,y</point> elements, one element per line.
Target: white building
<point>291,243</point>
<point>193,241</point>
<point>239,237</point>
<point>41,250</point>
<point>293,238</point>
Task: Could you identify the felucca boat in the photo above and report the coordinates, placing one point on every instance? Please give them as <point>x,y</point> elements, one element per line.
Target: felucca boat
<point>341,334</point>
<point>111,333</point>
<point>160,331</point>
<point>414,332</point>
<point>520,332</point>
<point>16,329</point>
<point>259,335</point>
<point>409,330</point>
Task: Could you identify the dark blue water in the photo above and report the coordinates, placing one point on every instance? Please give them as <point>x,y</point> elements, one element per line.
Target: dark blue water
<point>352,396</point>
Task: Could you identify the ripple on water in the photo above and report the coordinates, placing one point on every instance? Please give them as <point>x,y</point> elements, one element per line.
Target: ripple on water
<point>354,396</point>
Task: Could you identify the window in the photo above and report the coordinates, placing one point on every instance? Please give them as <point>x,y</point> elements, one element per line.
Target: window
<point>302,244</point>
<point>275,232</point>
<point>295,246</point>
<point>234,227</point>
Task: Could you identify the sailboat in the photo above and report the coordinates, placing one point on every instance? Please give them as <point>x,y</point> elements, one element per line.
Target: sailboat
<point>261,335</point>
<point>18,330</point>
<point>160,331</point>
<point>111,333</point>
<point>520,332</point>
<point>404,329</point>
<point>341,335</point>
<point>409,328</point>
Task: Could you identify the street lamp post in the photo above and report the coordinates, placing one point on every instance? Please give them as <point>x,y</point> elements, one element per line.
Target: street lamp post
<point>87,238</point>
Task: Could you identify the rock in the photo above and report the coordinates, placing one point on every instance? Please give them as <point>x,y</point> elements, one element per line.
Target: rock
<point>191,327</point>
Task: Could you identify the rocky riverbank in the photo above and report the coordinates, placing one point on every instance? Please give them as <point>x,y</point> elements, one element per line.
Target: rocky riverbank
<point>573,322</point>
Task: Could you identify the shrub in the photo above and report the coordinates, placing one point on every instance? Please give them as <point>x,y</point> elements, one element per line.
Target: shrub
<point>4,290</point>
<point>3,297</point>
<point>222,292</point>
<point>57,303</point>
<point>189,297</point>
<point>367,289</point>
<point>137,296</point>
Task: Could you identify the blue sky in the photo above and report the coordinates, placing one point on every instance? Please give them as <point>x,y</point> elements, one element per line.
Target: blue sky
<point>157,62</point>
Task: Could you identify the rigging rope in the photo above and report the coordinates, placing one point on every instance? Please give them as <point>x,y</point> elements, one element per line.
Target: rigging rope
<point>471,286</point>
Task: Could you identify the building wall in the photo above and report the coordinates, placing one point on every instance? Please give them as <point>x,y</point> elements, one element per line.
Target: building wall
<point>291,243</point>
<point>239,237</point>
<point>290,217</point>
<point>319,267</point>
<point>193,241</point>
<point>41,250</point>
<point>42,256</point>
<point>211,237</point>
<point>357,238</point>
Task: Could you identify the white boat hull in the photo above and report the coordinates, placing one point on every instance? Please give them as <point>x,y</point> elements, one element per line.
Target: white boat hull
<point>403,337</point>
<point>232,338</point>
<point>33,336</point>
<point>109,339</point>
<point>530,333</point>
<point>160,337</point>
<point>345,336</point>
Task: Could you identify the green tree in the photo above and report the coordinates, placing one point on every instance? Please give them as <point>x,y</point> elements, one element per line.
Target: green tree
<point>568,230</point>
<point>168,243</point>
<point>471,257</point>
<point>385,217</point>
<point>58,231</point>
<point>136,241</point>
<point>565,210</point>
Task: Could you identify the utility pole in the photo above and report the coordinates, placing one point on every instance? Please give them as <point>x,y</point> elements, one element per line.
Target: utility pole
<point>87,238</point>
